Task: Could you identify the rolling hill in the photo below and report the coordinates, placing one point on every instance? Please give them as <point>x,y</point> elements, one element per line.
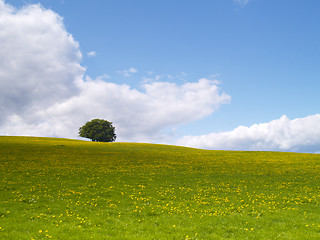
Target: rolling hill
<point>69,189</point>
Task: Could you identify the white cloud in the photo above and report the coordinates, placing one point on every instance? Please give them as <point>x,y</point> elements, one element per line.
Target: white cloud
<point>241,3</point>
<point>300,134</point>
<point>91,54</point>
<point>102,77</point>
<point>137,115</point>
<point>44,92</point>
<point>39,60</point>
<point>129,72</point>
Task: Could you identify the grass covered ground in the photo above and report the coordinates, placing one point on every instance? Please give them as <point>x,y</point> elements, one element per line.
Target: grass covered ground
<point>68,189</point>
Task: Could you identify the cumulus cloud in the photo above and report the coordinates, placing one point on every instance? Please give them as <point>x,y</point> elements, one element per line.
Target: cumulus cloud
<point>39,60</point>
<point>44,91</point>
<point>137,115</point>
<point>300,134</point>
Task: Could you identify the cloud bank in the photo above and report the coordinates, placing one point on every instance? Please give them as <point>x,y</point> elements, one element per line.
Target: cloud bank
<point>44,90</point>
<point>300,135</point>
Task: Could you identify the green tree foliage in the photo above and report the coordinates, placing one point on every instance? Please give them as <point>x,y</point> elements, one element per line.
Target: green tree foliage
<point>98,130</point>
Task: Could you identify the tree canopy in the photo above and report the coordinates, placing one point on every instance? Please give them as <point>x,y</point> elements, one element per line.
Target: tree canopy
<point>98,130</point>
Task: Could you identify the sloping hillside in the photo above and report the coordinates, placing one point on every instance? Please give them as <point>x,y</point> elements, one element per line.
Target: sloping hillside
<point>69,189</point>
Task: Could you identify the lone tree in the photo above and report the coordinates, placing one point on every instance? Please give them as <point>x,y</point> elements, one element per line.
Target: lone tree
<point>98,130</point>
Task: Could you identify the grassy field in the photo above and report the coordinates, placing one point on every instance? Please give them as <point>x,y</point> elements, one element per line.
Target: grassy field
<point>68,189</point>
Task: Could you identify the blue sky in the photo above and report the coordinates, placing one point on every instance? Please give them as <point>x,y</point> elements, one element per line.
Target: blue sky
<point>263,55</point>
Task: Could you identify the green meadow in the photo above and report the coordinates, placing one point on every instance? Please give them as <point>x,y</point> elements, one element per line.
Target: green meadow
<point>68,189</point>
